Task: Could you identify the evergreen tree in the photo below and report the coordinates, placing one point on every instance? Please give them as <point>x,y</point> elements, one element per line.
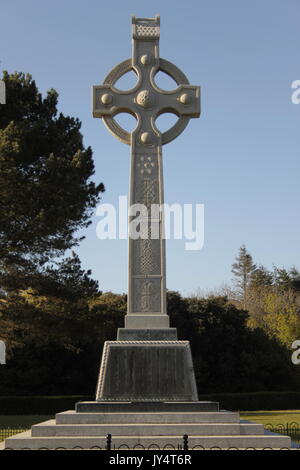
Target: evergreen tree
<point>45,190</point>
<point>52,322</point>
<point>261,277</point>
<point>243,269</point>
<point>284,279</point>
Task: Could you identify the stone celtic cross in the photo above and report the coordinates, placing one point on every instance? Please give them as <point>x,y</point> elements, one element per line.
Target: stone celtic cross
<point>146,101</point>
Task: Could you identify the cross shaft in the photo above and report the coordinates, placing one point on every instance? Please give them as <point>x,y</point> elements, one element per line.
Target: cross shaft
<point>146,101</point>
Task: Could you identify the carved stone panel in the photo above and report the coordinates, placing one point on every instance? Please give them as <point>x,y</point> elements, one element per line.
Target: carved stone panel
<point>147,371</point>
<point>146,252</point>
<point>147,295</point>
<point>147,257</point>
<point>147,183</point>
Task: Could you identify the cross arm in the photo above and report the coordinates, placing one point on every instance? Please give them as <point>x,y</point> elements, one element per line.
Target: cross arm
<point>184,101</point>
<point>107,101</point>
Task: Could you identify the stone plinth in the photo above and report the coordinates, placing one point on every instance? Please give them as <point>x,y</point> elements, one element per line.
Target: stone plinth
<point>146,371</point>
<point>164,334</point>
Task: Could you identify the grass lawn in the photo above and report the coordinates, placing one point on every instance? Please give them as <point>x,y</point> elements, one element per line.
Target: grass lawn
<point>10,425</point>
<point>272,417</point>
<point>277,420</point>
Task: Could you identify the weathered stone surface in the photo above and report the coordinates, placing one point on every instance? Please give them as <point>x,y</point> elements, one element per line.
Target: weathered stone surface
<point>166,334</point>
<point>143,321</point>
<point>147,370</point>
<point>128,416</point>
<point>146,101</point>
<point>69,441</point>
<point>147,407</point>
<point>142,370</point>
<point>51,428</point>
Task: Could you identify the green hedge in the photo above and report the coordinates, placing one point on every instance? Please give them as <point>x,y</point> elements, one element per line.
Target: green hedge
<point>256,400</point>
<point>230,401</point>
<point>39,405</point>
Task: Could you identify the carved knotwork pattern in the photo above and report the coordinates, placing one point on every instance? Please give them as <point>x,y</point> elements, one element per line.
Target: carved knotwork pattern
<point>148,262</point>
<point>147,295</point>
<point>147,249</point>
<point>147,255</point>
<point>147,31</point>
<point>147,193</point>
<point>148,186</point>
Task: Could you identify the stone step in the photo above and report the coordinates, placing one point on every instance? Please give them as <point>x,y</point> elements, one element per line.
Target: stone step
<point>71,417</point>
<point>24,440</point>
<point>145,406</point>
<point>49,428</point>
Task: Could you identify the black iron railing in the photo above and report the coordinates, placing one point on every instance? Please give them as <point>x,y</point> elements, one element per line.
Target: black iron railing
<point>289,429</point>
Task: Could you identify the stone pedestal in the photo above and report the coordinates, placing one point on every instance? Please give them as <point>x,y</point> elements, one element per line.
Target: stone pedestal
<point>146,371</point>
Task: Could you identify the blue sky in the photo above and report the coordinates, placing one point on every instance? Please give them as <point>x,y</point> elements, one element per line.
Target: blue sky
<point>240,159</point>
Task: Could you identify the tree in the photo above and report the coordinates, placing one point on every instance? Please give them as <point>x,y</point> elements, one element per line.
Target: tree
<point>111,309</point>
<point>284,279</point>
<point>52,322</point>
<point>46,195</point>
<point>261,277</point>
<point>295,277</point>
<point>276,311</point>
<point>66,279</point>
<point>230,357</point>
<point>272,300</point>
<point>45,190</point>
<point>243,268</point>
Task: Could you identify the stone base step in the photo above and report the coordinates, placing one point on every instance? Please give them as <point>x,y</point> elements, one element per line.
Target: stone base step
<point>50,428</point>
<point>24,440</point>
<point>71,417</point>
<point>145,406</point>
